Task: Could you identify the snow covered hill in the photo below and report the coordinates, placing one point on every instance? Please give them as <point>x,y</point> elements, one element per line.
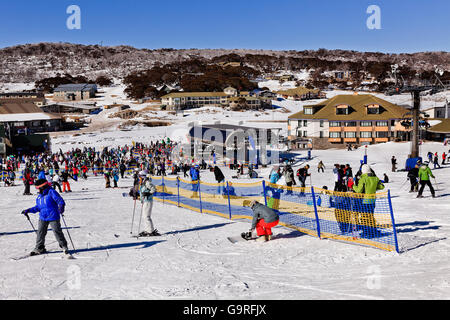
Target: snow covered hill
<point>193,258</point>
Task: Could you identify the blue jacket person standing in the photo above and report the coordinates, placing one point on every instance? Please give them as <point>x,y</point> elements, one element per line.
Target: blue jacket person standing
<point>50,206</point>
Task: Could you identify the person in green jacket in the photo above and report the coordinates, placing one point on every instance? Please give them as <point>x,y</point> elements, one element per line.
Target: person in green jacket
<point>368,185</point>
<point>424,180</point>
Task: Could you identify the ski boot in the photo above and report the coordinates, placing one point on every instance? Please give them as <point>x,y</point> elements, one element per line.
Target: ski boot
<point>155,233</point>
<point>37,252</point>
<point>261,239</point>
<point>144,234</point>
<point>246,235</point>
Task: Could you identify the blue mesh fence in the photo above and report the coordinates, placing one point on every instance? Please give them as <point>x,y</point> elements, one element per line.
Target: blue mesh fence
<point>350,217</point>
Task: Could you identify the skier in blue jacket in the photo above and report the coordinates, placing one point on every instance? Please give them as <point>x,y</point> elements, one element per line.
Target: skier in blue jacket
<point>50,206</point>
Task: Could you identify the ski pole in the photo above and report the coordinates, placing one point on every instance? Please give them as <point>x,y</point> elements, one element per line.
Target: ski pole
<point>30,223</point>
<point>132,221</point>
<point>140,219</point>
<point>436,184</point>
<point>401,187</point>
<point>67,229</point>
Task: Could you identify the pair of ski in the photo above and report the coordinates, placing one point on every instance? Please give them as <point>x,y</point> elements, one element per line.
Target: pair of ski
<point>68,256</point>
<point>150,236</point>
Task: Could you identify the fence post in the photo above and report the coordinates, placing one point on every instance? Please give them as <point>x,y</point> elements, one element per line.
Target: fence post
<point>229,203</point>
<point>162,182</point>
<point>393,221</point>
<point>200,196</point>
<point>264,191</point>
<point>178,190</point>
<point>315,212</point>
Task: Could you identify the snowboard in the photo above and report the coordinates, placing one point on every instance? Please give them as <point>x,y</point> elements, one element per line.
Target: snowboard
<point>239,238</point>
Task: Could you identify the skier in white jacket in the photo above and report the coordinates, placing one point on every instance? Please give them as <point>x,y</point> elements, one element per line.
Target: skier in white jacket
<point>146,194</point>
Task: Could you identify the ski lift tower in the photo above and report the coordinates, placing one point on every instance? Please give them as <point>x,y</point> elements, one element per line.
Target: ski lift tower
<point>432,86</point>
<point>415,118</point>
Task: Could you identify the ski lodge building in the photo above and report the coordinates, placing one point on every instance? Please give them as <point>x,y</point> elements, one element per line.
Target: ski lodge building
<point>26,118</point>
<point>229,97</point>
<point>300,93</point>
<point>347,119</point>
<point>36,98</point>
<point>74,92</point>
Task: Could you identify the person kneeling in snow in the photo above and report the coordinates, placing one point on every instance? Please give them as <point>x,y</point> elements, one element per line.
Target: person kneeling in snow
<point>146,194</point>
<point>264,219</point>
<point>50,206</point>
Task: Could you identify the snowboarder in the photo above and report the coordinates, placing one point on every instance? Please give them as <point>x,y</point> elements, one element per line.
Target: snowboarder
<point>50,206</point>
<point>264,219</point>
<point>424,175</point>
<point>146,195</point>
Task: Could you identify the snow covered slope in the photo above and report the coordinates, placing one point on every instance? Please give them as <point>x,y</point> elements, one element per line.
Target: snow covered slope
<point>194,260</point>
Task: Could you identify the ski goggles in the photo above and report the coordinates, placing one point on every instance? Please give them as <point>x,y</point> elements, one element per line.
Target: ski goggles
<point>42,185</point>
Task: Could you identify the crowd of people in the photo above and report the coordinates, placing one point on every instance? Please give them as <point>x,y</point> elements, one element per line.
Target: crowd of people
<point>57,170</point>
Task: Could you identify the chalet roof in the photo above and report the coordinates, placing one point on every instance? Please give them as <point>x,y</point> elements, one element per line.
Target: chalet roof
<point>20,100</point>
<point>23,112</point>
<point>442,127</point>
<point>327,109</point>
<point>21,94</point>
<point>76,87</point>
<point>299,91</point>
<point>11,108</point>
<point>194,94</point>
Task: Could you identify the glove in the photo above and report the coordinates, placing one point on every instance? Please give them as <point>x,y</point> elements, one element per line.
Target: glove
<point>25,212</point>
<point>61,209</point>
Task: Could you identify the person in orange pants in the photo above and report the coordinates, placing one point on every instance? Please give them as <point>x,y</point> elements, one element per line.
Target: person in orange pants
<point>264,219</point>
<point>65,181</point>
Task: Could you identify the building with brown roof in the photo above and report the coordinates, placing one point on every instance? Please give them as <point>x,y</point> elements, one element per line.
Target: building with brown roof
<point>36,98</point>
<point>28,118</point>
<point>300,93</point>
<point>347,119</point>
<point>189,100</point>
<point>439,130</point>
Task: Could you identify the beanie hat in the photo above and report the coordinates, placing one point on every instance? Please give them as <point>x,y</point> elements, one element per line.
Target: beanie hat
<point>365,169</point>
<point>41,183</point>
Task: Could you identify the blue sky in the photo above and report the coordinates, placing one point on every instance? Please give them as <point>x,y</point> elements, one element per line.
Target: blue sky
<point>407,25</point>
